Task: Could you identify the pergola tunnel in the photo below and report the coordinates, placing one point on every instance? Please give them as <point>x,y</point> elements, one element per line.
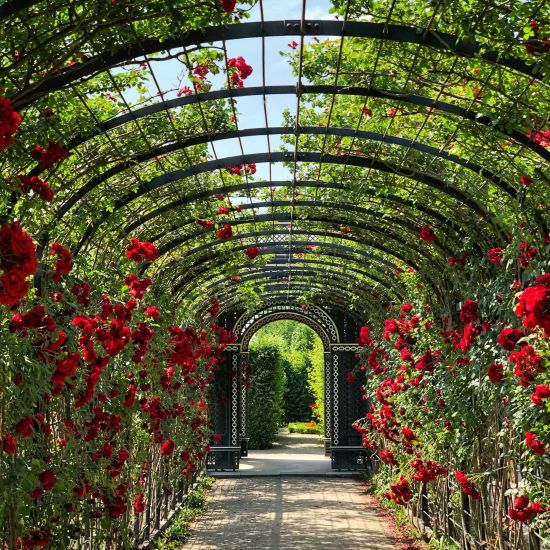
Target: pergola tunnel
<point>177,175</point>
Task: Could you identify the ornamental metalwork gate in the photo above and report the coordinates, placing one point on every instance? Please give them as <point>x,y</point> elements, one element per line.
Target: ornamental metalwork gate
<point>344,403</point>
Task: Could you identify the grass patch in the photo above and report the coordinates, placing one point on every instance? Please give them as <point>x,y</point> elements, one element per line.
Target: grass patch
<point>304,428</point>
<point>180,527</point>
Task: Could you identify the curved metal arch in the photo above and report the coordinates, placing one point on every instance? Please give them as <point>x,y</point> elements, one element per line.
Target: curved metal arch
<point>336,246</point>
<point>310,89</point>
<point>284,217</point>
<point>292,261</point>
<point>301,279</point>
<point>285,130</point>
<point>296,290</point>
<point>376,31</point>
<point>278,297</point>
<point>319,329</point>
<point>192,274</point>
<point>388,235</point>
<point>266,233</point>
<point>318,314</point>
<point>267,184</point>
<point>264,278</point>
<point>295,274</point>
<point>361,162</point>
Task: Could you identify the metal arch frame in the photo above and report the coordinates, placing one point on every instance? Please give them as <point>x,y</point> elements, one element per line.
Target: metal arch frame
<point>293,261</point>
<point>280,216</point>
<point>321,244</point>
<point>269,318</point>
<point>378,31</point>
<point>191,275</point>
<point>266,233</point>
<point>285,304</point>
<point>284,289</point>
<point>331,282</point>
<point>365,300</point>
<point>319,89</point>
<point>288,296</point>
<point>190,199</point>
<point>283,130</point>
<point>278,275</point>
<point>318,314</point>
<point>285,217</point>
<point>361,162</point>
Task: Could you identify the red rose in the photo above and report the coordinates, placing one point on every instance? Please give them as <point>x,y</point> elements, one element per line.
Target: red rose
<point>167,447</point>
<point>252,252</point>
<point>495,372</point>
<point>9,122</point>
<point>13,287</point>
<point>228,5</point>
<point>9,444</point>
<point>495,255</point>
<point>508,338</point>
<point>427,234</point>
<point>50,156</point>
<point>48,479</point>
<point>526,180</point>
<point>537,446</point>
<point>139,503</point>
<point>468,312</point>
<point>534,305</point>
<point>542,391</point>
<point>225,233</point>
<point>243,68</point>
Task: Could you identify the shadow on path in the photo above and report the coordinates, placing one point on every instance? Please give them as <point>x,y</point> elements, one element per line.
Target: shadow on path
<point>290,513</point>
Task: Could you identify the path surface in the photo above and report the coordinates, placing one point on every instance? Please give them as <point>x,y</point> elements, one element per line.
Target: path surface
<point>289,513</point>
<point>261,508</point>
<point>294,454</point>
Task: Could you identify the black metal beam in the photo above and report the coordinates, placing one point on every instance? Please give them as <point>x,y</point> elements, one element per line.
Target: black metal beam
<point>361,162</point>
<point>209,262</point>
<point>321,244</point>
<point>384,231</point>
<point>311,89</point>
<point>295,185</point>
<point>376,31</point>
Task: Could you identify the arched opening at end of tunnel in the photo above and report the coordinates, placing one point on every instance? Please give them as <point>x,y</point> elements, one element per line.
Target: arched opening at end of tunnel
<point>285,405</point>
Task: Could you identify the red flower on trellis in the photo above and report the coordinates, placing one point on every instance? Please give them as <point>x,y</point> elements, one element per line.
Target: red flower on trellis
<point>243,68</point>
<point>427,234</point>
<point>466,485</point>
<point>38,186</point>
<point>64,262</point>
<point>252,252</point>
<point>50,156</point>
<point>225,233</point>
<point>536,445</point>
<point>495,372</point>
<point>524,511</point>
<point>139,251</point>
<point>534,305</point>
<point>228,5</point>
<point>17,260</point>
<point>542,391</point>
<point>496,255</point>
<point>9,123</point>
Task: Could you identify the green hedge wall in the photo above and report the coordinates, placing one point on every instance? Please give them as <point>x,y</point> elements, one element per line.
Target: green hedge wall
<point>265,395</point>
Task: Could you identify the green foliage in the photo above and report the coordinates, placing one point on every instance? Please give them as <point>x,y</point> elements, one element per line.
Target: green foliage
<point>192,509</point>
<point>303,428</point>
<point>300,347</point>
<point>265,395</point>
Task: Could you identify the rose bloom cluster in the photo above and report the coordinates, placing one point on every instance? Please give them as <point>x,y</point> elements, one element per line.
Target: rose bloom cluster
<point>17,262</point>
